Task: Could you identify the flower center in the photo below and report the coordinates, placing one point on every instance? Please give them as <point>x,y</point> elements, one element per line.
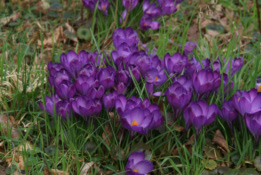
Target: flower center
<point>259,89</point>
<point>145,24</point>
<point>136,171</point>
<point>149,12</point>
<point>134,123</point>
<point>156,78</point>
<point>103,7</point>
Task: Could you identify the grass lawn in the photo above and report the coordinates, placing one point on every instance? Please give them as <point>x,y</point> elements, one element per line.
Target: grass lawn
<point>36,32</point>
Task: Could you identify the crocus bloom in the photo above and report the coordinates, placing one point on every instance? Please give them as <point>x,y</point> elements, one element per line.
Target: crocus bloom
<point>253,123</point>
<point>85,106</point>
<point>195,65</point>
<point>236,65</point>
<point>178,96</point>
<point>200,114</point>
<point>151,10</point>
<point>176,63</point>
<point>137,165</point>
<point>84,83</point>
<point>90,4</point>
<point>130,4</point>
<point>65,90</point>
<point>247,101</point>
<point>103,6</point>
<point>73,62</point>
<point>189,47</point>
<point>128,36</point>
<point>168,7</point>
<point>50,105</point>
<point>109,100</point>
<point>229,112</point>
<point>64,109</point>
<point>106,77</point>
<point>148,23</point>
<point>205,81</point>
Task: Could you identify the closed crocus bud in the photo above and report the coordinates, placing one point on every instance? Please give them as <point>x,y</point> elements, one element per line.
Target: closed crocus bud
<point>84,83</point>
<point>199,114</point>
<point>235,66</point>
<point>247,101</point>
<point>143,62</point>
<point>106,77</point>
<point>121,88</point>
<point>148,23</point>
<point>50,105</point>
<point>63,109</point>
<point>127,36</point>
<point>151,10</point>
<point>168,7</point>
<point>96,92</point>
<point>86,107</point>
<point>253,123</point>
<point>73,63</point>
<point>103,6</point>
<point>109,100</point>
<point>135,71</point>
<point>89,70</point>
<point>130,4</point>
<point>205,81</point>
<point>54,68</point>
<point>137,165</point>
<point>195,65</point>
<point>189,47</point>
<point>120,104</point>
<point>65,90</point>
<point>229,112</point>
<point>123,76</point>
<point>90,4</point>
<point>216,65</point>
<point>176,63</point>
<point>178,96</point>
<point>122,54</point>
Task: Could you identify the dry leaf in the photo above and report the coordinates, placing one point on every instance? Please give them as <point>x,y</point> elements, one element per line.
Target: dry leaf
<point>10,122</point>
<point>71,30</point>
<point>4,21</point>
<point>59,172</point>
<point>220,140</point>
<point>86,168</point>
<point>54,37</point>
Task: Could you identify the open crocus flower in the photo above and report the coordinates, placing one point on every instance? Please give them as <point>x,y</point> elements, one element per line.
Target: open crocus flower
<point>121,55</point>
<point>179,95</point>
<point>57,70</point>
<point>128,36</point>
<point>73,62</point>
<point>103,6</point>
<point>247,101</point>
<point>200,114</point>
<point>151,10</point>
<point>205,81</point>
<point>137,165</point>
<point>253,123</point>
<point>86,107</point>
<point>148,23</point>
<point>229,112</point>
<point>89,70</point>
<point>168,6</point>
<point>90,4</point>
<point>195,65</point>
<point>65,90</point>
<point>176,63</point>
<point>84,83</point>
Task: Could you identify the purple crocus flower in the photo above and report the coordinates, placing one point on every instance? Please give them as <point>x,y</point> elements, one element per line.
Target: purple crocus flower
<point>84,83</point>
<point>148,23</point>
<point>168,6</point>
<point>86,107</point>
<point>253,123</point>
<point>65,90</point>
<point>258,84</point>
<point>179,95</point>
<point>121,88</point>
<point>128,36</point>
<point>205,81</point>
<point>151,10</point>
<point>89,70</point>
<point>106,77</point>
<point>130,4</point>
<point>121,55</point>
<point>236,65</point>
<point>189,47</point>
<point>200,114</point>
<point>64,109</point>
<point>195,65</point>
<point>103,6</point>
<point>50,105</point>
<point>73,62</point>
<point>229,112</point>
<point>123,76</point>
<point>57,70</point>
<point>109,100</point>
<point>176,63</point>
<point>90,4</point>
<point>137,165</point>
<point>247,101</point>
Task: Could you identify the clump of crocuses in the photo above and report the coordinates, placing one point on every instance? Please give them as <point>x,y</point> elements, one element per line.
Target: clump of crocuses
<point>137,165</point>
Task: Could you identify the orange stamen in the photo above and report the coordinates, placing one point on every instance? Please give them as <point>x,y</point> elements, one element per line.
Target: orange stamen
<point>145,24</point>
<point>259,89</point>
<point>134,123</point>
<point>156,78</point>
<point>103,7</point>
<point>136,171</point>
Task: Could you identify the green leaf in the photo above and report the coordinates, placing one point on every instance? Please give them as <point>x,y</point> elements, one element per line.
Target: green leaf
<point>209,164</point>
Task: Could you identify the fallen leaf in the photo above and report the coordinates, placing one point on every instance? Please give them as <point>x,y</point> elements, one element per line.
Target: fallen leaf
<point>59,172</point>
<point>7,122</point>
<point>220,140</point>
<point>209,164</point>
<point>72,32</point>
<point>4,21</point>
<point>54,38</point>
<point>85,168</point>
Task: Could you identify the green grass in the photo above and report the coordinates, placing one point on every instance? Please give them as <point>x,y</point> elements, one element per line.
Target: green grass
<point>66,145</point>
